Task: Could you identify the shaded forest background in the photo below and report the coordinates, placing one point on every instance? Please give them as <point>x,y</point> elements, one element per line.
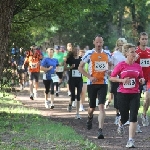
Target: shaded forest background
<point>59,22</point>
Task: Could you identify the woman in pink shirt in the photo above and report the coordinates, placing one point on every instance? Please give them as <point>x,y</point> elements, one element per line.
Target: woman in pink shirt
<point>130,74</point>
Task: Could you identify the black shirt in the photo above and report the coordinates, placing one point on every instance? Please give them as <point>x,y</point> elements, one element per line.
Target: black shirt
<point>74,73</point>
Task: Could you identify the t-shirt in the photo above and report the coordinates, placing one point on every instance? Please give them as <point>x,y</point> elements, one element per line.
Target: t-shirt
<point>84,78</point>
<point>33,61</point>
<point>47,62</point>
<point>144,61</point>
<point>134,72</point>
<point>59,56</point>
<point>117,57</point>
<point>74,72</point>
<point>97,65</point>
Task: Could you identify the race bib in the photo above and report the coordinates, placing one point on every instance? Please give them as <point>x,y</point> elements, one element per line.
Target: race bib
<point>101,66</point>
<point>44,76</point>
<point>60,69</point>
<point>33,65</point>
<point>144,62</point>
<point>76,73</point>
<point>54,77</point>
<point>131,84</point>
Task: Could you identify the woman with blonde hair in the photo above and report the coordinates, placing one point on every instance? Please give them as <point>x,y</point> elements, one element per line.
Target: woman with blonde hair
<point>48,65</point>
<point>117,57</point>
<point>130,75</point>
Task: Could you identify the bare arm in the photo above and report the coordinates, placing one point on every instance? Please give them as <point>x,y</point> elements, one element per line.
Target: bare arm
<point>81,69</point>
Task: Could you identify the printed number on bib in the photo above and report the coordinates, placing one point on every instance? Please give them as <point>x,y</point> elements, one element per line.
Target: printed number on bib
<point>144,62</point>
<point>101,66</point>
<point>55,78</point>
<point>33,65</point>
<point>60,69</point>
<point>76,73</point>
<point>131,84</point>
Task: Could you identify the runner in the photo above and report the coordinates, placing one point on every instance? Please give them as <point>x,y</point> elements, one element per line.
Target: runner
<point>20,68</point>
<point>128,97</point>
<point>84,88</point>
<point>60,69</point>
<point>75,79</point>
<point>117,57</point>
<point>143,58</point>
<point>97,82</point>
<point>32,60</point>
<point>48,65</point>
<point>69,49</point>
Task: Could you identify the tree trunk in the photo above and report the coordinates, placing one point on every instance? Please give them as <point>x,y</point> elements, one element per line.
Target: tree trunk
<point>6,15</point>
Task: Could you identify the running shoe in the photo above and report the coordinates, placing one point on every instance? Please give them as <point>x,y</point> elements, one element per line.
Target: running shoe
<point>100,134</point>
<point>81,109</point>
<point>130,144</point>
<point>138,129</point>
<point>145,121</point>
<point>69,93</point>
<point>117,119</point>
<point>47,104</point>
<point>120,130</point>
<point>89,123</point>
<point>35,94</point>
<point>57,94</point>
<point>74,103</point>
<point>69,108</point>
<point>77,116</point>
<point>52,106</point>
<point>31,97</point>
<point>107,103</point>
<point>127,123</point>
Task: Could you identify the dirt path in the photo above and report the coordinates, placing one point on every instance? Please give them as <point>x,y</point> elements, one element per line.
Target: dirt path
<point>112,140</point>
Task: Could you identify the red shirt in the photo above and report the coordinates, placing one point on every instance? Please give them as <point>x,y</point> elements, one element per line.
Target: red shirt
<point>144,61</point>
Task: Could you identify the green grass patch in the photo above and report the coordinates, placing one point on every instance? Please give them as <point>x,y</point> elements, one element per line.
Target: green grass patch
<point>24,129</point>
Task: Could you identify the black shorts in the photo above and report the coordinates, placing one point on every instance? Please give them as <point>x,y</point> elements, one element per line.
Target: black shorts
<point>113,87</point>
<point>34,75</point>
<point>128,102</point>
<point>97,90</point>
<point>60,75</point>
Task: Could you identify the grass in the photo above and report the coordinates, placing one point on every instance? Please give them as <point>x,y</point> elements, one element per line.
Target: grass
<point>24,129</point>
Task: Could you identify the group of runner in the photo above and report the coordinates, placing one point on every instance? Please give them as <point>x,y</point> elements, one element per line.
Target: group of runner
<point>127,69</point>
<point>130,70</point>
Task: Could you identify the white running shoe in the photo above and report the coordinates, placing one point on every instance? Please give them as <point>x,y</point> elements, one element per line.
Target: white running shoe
<point>47,104</point>
<point>127,123</point>
<point>81,109</point>
<point>69,93</point>
<point>120,130</point>
<point>117,119</point>
<point>74,103</point>
<point>130,144</point>
<point>138,129</point>
<point>77,116</point>
<point>145,121</point>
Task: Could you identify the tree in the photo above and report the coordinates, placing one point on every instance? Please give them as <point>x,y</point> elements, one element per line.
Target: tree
<point>6,15</point>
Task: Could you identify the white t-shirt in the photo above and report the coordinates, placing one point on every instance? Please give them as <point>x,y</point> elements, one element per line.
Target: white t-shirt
<point>117,57</point>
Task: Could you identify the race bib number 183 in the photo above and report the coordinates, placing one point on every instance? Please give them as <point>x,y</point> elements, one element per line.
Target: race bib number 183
<point>131,84</point>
